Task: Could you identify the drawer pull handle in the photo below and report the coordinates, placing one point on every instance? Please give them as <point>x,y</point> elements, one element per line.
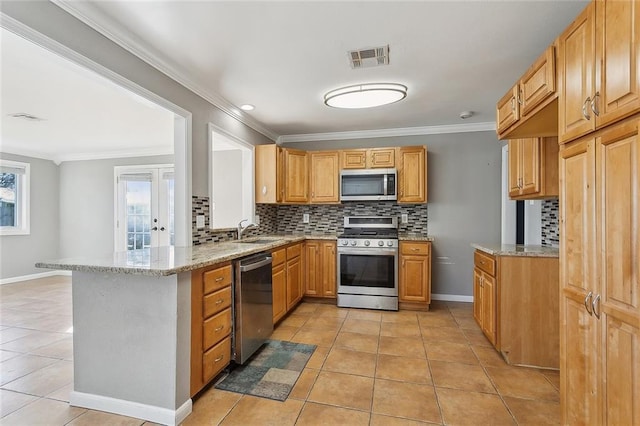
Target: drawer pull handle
<point>219,279</point>
<point>219,328</point>
<point>219,301</point>
<point>415,249</point>
<point>220,358</point>
<point>587,303</point>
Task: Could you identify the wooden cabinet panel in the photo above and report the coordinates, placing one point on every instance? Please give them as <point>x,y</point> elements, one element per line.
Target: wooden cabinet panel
<point>576,81</point>
<point>320,268</point>
<point>485,262</point>
<point>381,158</point>
<point>489,307</point>
<point>514,167</point>
<point>485,294</point>
<point>216,328</point>
<point>279,285</point>
<point>216,359</point>
<point>618,55</point>
<point>530,165</point>
<point>328,268</point>
<point>294,276</point>
<point>533,168</point>
<point>266,175</point>
<point>539,82</point>
<point>216,301</point>
<point>294,251</point>
<point>216,279</point>
<point>353,159</point>
<point>313,285</point>
<point>477,296</point>
<point>324,177</point>
<point>414,273</point>
<point>278,256</point>
<point>508,110</point>
<point>412,174</point>
<point>296,171</point>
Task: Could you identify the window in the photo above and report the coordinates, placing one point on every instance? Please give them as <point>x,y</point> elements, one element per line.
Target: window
<point>14,198</point>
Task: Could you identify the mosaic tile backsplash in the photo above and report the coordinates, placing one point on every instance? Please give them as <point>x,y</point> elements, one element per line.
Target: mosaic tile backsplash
<point>323,219</point>
<point>550,229</point>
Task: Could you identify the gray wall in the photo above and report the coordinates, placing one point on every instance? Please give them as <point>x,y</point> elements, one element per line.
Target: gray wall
<point>463,198</point>
<point>18,253</point>
<point>50,20</point>
<point>87,204</point>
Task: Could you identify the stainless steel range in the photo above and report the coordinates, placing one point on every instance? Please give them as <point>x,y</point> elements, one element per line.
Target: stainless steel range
<point>368,263</point>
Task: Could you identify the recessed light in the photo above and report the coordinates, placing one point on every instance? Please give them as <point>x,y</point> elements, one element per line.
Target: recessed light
<point>247,107</point>
<point>366,95</point>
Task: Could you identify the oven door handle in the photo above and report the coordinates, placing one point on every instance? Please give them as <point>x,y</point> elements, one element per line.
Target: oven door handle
<point>370,252</point>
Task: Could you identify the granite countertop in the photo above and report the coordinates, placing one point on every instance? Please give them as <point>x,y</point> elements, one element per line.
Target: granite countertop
<point>409,236</point>
<point>165,261</point>
<point>497,249</point>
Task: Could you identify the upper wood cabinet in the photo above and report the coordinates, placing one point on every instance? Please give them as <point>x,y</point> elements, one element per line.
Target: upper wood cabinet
<point>533,168</point>
<point>320,258</point>
<point>324,177</point>
<point>412,174</point>
<point>529,108</point>
<point>368,158</point>
<point>599,58</point>
<point>281,175</point>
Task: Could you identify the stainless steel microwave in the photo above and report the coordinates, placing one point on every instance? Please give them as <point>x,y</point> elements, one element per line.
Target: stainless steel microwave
<point>368,185</point>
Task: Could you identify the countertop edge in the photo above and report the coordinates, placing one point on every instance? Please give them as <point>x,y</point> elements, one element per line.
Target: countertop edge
<point>517,250</point>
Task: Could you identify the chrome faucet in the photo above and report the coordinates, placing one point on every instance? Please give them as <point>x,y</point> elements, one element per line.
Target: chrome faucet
<point>241,228</point>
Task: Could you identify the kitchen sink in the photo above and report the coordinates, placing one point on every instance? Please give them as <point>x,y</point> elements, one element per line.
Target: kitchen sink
<point>258,241</point>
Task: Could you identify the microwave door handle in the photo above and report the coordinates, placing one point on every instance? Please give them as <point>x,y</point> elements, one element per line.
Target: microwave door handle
<point>386,176</point>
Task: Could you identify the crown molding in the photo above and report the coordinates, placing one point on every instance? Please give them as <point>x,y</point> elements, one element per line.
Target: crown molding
<point>85,156</point>
<point>381,133</point>
<point>155,61</point>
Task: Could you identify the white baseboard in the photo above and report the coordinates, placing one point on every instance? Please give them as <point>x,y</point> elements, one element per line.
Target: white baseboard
<point>33,276</point>
<point>146,412</point>
<point>452,298</point>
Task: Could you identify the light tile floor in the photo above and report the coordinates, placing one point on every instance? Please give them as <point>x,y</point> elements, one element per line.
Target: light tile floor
<point>370,368</point>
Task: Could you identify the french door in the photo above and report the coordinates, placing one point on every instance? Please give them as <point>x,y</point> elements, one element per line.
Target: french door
<point>144,207</point>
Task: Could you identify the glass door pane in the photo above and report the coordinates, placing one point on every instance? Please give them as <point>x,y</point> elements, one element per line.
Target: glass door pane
<point>138,213</point>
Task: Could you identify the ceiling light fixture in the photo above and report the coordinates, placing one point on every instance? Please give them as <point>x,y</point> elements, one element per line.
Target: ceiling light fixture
<point>366,95</point>
<point>247,107</point>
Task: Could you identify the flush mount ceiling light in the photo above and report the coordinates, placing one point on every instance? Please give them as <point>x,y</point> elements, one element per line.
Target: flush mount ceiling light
<point>366,95</point>
<point>247,107</point>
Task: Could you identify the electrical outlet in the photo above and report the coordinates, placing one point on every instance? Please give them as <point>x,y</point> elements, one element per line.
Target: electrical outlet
<point>405,218</point>
<point>305,218</point>
<point>200,221</point>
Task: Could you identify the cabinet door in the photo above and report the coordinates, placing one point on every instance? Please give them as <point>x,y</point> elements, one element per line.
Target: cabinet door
<point>618,55</point>
<point>294,282</point>
<point>296,176</point>
<point>539,82</point>
<point>279,284</point>
<point>577,77</point>
<point>265,171</point>
<point>508,110</point>
<point>477,296</point>
<point>381,158</point>
<point>412,170</point>
<point>514,167</point>
<point>530,166</point>
<point>328,269</point>
<point>353,159</point>
<point>313,286</point>
<point>618,247</point>
<point>489,326</point>
<point>414,272</point>
<point>324,177</point>
<point>579,375</point>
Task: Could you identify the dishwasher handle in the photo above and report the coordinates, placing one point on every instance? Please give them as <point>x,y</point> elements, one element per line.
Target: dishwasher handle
<point>251,266</point>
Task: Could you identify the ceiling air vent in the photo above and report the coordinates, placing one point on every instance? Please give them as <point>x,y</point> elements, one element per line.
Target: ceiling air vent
<point>25,116</point>
<point>369,57</point>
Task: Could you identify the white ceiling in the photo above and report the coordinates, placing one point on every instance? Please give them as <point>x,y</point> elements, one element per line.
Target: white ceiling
<point>85,116</point>
<point>282,56</point>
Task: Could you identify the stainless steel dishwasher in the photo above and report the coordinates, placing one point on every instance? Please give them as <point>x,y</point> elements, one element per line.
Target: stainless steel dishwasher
<point>253,305</point>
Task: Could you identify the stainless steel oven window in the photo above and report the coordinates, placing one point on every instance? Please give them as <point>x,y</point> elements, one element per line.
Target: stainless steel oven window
<point>367,271</point>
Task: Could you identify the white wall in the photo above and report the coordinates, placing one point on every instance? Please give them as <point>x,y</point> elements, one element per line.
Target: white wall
<point>87,204</point>
<point>464,172</point>
<point>19,253</point>
<point>227,188</point>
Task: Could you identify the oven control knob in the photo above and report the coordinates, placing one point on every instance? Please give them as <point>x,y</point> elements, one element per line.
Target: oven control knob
<point>345,242</point>
<point>380,243</point>
<point>367,243</point>
<point>354,242</point>
<point>389,243</point>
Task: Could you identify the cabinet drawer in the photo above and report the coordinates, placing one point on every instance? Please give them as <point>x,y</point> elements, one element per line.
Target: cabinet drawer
<point>418,249</point>
<point>215,302</point>
<point>217,278</point>
<point>294,251</point>
<point>485,262</point>
<point>279,256</point>
<point>216,328</point>
<point>215,359</point>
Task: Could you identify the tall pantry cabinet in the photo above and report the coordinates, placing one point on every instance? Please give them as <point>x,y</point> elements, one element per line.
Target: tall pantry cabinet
<point>598,109</point>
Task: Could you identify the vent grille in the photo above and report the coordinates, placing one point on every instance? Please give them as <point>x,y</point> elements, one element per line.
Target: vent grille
<point>369,57</point>
<point>25,116</point>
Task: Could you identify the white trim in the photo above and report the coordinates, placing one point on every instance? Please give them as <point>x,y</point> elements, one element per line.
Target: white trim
<point>452,297</point>
<point>137,410</point>
<point>381,133</point>
<point>33,277</point>
<point>182,125</point>
<point>155,61</point>
<point>22,203</point>
<point>85,156</point>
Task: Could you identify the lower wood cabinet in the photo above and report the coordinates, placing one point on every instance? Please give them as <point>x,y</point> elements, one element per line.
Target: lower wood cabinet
<point>516,304</point>
<point>320,268</point>
<point>286,275</point>
<point>414,274</point>
<point>211,323</point>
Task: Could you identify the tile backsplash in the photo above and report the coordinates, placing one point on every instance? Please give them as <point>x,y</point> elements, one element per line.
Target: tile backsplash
<point>550,229</point>
<point>323,219</point>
